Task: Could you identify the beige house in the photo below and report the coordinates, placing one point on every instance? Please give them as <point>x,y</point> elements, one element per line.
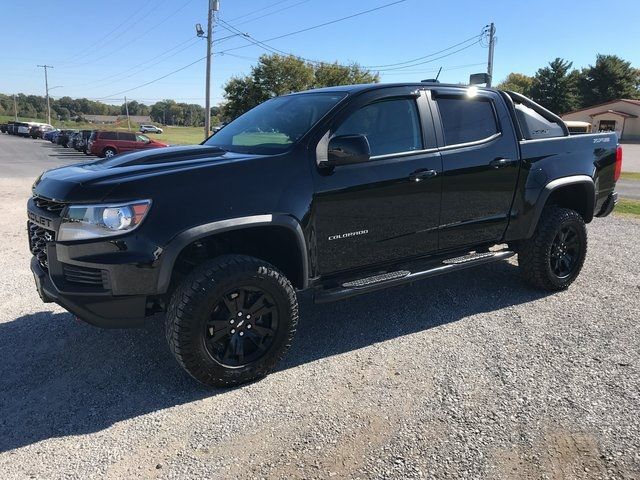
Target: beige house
<point>621,116</point>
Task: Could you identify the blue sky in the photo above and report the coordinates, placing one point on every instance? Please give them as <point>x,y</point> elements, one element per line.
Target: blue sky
<point>100,49</point>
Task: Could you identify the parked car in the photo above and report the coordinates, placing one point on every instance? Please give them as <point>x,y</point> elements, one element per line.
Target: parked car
<point>342,191</point>
<point>108,143</point>
<point>217,128</point>
<point>50,134</point>
<point>64,136</point>
<point>23,129</point>
<point>3,127</point>
<point>12,128</point>
<point>74,139</point>
<point>81,143</point>
<point>150,129</point>
<point>38,130</point>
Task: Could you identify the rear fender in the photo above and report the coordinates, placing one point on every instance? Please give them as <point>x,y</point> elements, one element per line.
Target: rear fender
<point>556,185</point>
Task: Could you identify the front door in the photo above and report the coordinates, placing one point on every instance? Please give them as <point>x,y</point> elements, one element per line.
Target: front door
<point>388,208</point>
<point>480,161</point>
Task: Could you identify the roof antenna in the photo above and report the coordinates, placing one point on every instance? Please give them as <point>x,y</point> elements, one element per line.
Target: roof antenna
<point>438,75</point>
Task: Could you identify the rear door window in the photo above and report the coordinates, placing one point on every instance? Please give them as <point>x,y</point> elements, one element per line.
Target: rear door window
<point>127,137</point>
<point>466,120</point>
<point>108,136</point>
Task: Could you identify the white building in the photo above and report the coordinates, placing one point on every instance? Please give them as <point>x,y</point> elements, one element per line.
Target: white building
<point>621,116</point>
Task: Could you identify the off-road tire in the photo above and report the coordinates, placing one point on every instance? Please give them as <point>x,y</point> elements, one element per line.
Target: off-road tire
<point>191,305</point>
<point>534,254</point>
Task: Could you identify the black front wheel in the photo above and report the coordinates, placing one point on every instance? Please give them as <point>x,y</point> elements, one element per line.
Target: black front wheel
<point>553,257</point>
<point>231,320</point>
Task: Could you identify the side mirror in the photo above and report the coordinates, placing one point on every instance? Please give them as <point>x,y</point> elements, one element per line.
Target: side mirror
<point>348,149</point>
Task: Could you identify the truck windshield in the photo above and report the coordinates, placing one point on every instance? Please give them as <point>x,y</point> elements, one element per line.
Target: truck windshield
<point>273,126</point>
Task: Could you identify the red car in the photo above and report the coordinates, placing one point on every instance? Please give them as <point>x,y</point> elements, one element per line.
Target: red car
<point>107,143</point>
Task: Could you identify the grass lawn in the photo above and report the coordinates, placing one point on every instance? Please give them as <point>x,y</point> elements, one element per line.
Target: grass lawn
<point>630,176</point>
<point>628,207</point>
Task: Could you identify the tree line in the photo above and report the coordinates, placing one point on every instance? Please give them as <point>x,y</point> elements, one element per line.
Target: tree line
<point>557,86</point>
<point>561,88</point>
<point>167,112</point>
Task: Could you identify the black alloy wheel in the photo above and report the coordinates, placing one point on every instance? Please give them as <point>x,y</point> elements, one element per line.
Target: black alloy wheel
<point>565,252</point>
<point>242,327</point>
<point>553,257</point>
<point>231,320</point>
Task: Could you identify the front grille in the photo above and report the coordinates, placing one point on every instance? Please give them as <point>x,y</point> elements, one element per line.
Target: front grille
<point>85,275</point>
<point>49,205</point>
<point>38,239</point>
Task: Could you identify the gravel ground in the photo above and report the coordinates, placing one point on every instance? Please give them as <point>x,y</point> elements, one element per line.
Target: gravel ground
<point>471,375</point>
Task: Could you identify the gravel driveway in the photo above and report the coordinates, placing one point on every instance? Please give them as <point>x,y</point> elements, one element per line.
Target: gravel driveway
<point>472,375</point>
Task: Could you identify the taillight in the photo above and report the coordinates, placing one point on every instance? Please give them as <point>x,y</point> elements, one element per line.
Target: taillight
<point>618,169</point>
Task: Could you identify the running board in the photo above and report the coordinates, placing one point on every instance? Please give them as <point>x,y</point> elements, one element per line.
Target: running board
<point>391,279</point>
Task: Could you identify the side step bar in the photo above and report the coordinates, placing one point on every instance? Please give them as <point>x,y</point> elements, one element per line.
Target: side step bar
<point>391,279</point>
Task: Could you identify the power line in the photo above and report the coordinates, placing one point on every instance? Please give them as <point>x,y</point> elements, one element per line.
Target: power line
<point>432,60</point>
<point>191,43</point>
<point>155,80</point>
<point>89,48</point>
<point>455,67</point>
<point>259,10</point>
<point>272,13</point>
<point>373,67</point>
<point>119,49</point>
<point>331,22</point>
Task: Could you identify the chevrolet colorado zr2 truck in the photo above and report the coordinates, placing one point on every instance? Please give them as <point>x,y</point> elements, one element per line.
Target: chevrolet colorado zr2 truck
<point>341,191</point>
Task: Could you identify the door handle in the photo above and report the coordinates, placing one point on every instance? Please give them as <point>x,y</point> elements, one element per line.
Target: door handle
<point>419,175</point>
<point>500,162</point>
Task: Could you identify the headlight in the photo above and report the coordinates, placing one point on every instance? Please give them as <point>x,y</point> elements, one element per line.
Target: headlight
<point>82,222</point>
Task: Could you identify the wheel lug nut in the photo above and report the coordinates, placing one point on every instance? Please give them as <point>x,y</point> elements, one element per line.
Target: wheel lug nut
<point>249,326</point>
<point>248,317</point>
<point>231,321</point>
<point>241,334</point>
<point>233,331</point>
<point>239,314</point>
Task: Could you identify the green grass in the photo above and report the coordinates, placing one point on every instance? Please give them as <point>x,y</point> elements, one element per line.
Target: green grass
<point>628,207</point>
<point>180,135</point>
<point>630,176</point>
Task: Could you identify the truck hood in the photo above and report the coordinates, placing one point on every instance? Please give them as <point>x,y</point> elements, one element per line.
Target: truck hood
<point>93,181</point>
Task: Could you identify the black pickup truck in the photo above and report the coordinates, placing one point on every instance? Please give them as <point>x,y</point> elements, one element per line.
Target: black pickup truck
<point>341,191</point>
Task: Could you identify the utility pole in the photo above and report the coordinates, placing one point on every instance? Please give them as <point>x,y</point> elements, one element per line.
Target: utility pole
<point>126,109</point>
<point>15,107</point>
<point>46,83</point>
<point>214,6</point>
<point>492,44</point>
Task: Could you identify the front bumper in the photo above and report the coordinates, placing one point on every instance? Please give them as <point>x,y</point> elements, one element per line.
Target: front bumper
<point>102,310</point>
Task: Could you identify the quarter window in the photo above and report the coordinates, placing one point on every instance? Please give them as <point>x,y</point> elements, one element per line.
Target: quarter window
<point>466,120</point>
<point>391,126</point>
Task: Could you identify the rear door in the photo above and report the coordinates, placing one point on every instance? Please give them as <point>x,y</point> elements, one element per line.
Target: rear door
<point>480,162</point>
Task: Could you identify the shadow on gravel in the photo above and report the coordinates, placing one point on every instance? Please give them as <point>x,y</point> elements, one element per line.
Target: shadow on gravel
<point>60,152</point>
<point>61,377</point>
